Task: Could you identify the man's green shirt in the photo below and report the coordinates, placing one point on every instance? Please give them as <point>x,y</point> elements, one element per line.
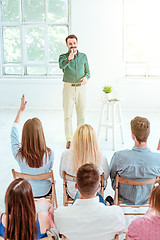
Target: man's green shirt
<point>74,69</point>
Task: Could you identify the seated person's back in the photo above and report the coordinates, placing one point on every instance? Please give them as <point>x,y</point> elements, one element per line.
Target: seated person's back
<point>84,149</point>
<point>32,155</point>
<point>136,164</point>
<point>88,218</point>
<point>148,226</point>
<point>20,220</point>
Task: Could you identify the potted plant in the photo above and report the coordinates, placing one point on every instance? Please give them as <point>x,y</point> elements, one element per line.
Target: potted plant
<point>107,90</point>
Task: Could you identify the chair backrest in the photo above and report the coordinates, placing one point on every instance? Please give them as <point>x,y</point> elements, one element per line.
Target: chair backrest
<point>130,182</point>
<point>49,175</point>
<point>67,177</point>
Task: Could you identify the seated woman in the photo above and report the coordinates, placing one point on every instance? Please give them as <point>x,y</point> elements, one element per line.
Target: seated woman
<point>84,149</point>
<point>20,220</point>
<point>148,226</point>
<point>33,156</point>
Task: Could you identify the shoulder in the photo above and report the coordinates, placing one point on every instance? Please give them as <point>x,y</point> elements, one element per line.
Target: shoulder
<point>122,153</point>
<point>82,55</point>
<point>137,225</point>
<point>64,55</point>
<point>154,154</point>
<point>139,222</point>
<point>62,211</point>
<point>51,153</point>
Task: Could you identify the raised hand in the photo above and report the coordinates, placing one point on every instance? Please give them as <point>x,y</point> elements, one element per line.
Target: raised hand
<point>23,103</point>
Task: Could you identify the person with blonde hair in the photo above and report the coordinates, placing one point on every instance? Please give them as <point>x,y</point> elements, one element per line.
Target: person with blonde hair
<point>148,226</point>
<point>84,149</point>
<point>32,156</point>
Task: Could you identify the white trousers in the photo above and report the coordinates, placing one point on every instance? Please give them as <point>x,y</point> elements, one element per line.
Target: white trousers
<point>73,96</point>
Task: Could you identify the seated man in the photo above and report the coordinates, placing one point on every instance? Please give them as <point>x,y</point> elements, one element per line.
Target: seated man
<point>88,218</point>
<point>136,164</point>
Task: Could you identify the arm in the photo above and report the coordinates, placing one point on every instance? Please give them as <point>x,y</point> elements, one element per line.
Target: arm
<point>51,160</point>
<point>14,131</point>
<point>64,60</point>
<point>21,109</point>
<point>113,169</point>
<point>15,145</point>
<point>105,167</point>
<point>45,206</point>
<point>87,72</point>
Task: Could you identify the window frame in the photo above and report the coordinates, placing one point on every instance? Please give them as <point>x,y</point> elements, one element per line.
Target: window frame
<point>146,75</point>
<point>23,64</point>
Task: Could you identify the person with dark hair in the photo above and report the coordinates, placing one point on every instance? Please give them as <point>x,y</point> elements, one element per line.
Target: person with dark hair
<point>88,218</point>
<point>136,164</point>
<point>32,156</point>
<point>20,220</point>
<point>76,73</point>
<point>148,226</point>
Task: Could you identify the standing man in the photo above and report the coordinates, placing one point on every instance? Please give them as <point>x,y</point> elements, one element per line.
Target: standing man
<point>76,73</point>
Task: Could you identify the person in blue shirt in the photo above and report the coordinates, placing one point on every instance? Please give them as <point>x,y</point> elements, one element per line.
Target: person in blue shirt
<point>136,164</point>
<point>32,155</point>
<point>20,220</point>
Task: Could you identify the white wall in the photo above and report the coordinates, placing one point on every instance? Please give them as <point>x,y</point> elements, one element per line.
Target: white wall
<point>98,25</point>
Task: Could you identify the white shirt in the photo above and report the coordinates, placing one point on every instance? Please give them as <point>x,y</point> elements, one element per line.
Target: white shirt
<point>89,219</point>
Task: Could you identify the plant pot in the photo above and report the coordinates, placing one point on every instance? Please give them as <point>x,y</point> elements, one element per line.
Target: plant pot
<point>107,96</point>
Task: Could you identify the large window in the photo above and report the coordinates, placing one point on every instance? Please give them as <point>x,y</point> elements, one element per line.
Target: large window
<point>142,38</point>
<point>32,36</point>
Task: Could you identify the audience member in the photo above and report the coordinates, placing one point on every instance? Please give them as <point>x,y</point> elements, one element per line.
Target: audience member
<point>33,156</point>
<point>148,226</point>
<point>136,164</point>
<point>20,220</point>
<point>88,218</point>
<point>84,149</point>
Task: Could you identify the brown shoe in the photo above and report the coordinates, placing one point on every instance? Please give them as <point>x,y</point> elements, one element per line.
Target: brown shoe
<point>68,144</point>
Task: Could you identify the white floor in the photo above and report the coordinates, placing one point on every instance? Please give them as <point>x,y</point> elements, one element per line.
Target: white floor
<point>53,125</point>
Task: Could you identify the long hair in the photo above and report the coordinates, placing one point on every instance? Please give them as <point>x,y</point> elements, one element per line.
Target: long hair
<point>33,144</point>
<point>20,211</point>
<point>85,147</point>
<point>154,199</point>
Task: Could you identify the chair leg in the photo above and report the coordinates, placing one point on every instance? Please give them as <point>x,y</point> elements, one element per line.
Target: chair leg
<point>107,118</point>
<point>113,126</point>
<point>100,120</point>
<point>120,120</point>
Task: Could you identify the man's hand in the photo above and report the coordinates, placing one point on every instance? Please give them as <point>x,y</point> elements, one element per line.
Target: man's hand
<point>84,80</point>
<point>71,55</point>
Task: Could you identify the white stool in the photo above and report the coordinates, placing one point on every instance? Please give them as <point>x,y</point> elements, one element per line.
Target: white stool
<point>106,104</point>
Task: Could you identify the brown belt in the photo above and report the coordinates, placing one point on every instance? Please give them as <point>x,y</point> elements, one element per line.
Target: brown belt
<point>76,84</point>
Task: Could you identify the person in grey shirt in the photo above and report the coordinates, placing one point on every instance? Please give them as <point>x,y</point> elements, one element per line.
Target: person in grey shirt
<point>136,164</point>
